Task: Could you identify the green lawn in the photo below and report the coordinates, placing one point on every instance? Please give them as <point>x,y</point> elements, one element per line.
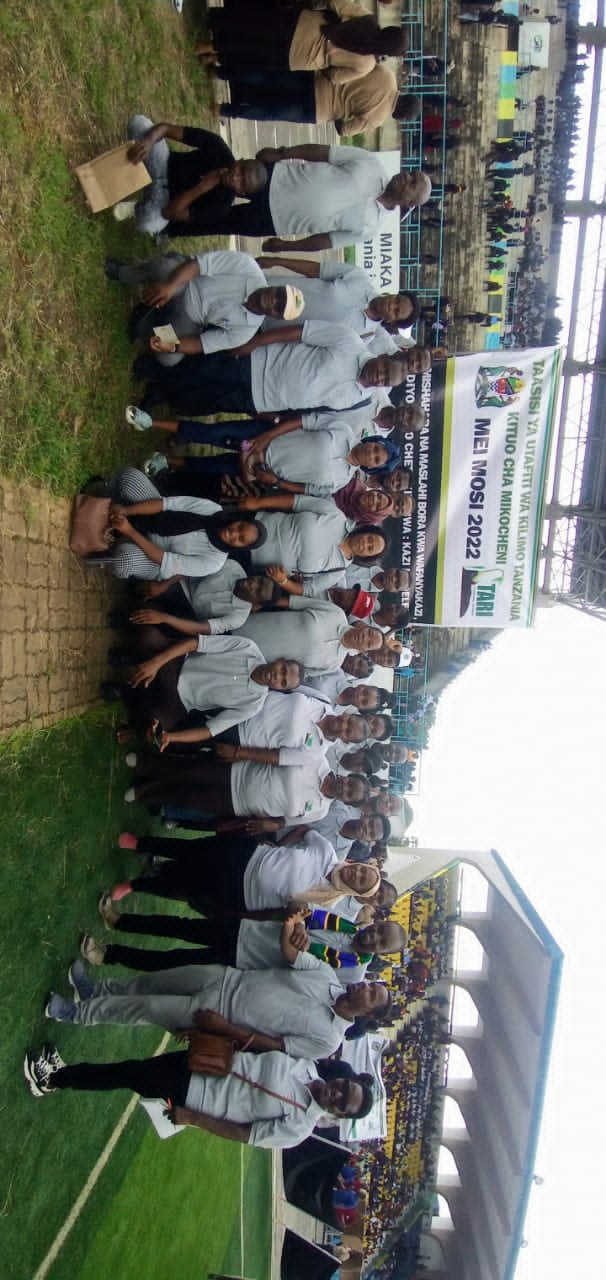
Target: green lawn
<point>71,75</point>
<point>61,800</point>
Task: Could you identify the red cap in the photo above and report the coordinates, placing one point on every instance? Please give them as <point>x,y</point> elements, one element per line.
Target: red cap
<point>364,604</point>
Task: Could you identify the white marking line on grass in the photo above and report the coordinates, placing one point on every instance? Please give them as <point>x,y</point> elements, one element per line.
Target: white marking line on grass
<point>242,1209</point>
<point>92,1180</point>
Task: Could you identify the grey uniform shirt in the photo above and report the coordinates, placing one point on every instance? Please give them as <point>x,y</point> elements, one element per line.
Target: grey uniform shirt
<point>310,630</point>
<point>288,725</point>
<point>338,197</point>
<point>283,1121</point>
<point>322,370</point>
<point>215,299</point>
<point>278,874</point>
<point>382,343</point>
<point>291,792</point>
<point>339,294</point>
<point>305,540</point>
<point>330,826</point>
<point>295,1003</point>
<point>219,675</point>
<point>317,459</point>
<point>330,684</point>
<point>361,574</point>
<point>190,554</point>
<point>259,948</point>
<point>212,598</point>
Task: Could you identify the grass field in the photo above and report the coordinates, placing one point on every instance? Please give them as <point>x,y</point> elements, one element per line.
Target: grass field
<point>71,75</point>
<point>159,1209</point>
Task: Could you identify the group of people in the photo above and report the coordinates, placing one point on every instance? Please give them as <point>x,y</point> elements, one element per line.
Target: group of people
<point>261,593</point>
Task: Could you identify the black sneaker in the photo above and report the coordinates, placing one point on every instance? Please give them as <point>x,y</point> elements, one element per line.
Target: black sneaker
<point>38,1072</point>
<point>117,657</point>
<point>119,619</point>
<point>112,267</point>
<point>110,692</point>
<point>51,1053</point>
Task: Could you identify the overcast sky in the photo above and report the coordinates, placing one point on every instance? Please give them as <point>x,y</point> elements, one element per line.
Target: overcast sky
<point>517,762</point>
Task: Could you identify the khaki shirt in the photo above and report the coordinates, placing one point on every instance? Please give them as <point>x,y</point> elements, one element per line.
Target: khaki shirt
<point>310,50</point>
<point>361,104</point>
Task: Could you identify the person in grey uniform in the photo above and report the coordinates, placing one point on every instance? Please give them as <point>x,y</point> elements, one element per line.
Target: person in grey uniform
<point>343,293</point>
<point>304,1011</point>
<point>260,944</point>
<point>315,631</point>
<point>213,301</point>
<point>267,1100</point>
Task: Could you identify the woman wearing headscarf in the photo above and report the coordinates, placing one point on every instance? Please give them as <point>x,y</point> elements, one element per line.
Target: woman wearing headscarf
<point>235,874</point>
<point>309,453</point>
<point>342,39</point>
<point>257,882</point>
<point>167,537</point>
<point>311,535</point>
<point>296,462</point>
<point>362,504</point>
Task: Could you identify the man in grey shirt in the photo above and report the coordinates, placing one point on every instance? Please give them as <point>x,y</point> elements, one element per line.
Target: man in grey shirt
<point>267,1100</point>
<point>307,366</point>
<point>331,197</point>
<point>304,1011</point>
<point>343,293</point>
<point>213,301</point>
<point>220,602</point>
<point>315,632</point>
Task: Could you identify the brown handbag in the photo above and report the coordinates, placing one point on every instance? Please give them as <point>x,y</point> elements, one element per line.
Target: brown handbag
<point>91,531</point>
<point>209,1054</point>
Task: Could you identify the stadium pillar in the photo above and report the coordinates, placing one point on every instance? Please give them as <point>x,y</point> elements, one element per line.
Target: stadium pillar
<point>592,36</point>
<point>584,209</point>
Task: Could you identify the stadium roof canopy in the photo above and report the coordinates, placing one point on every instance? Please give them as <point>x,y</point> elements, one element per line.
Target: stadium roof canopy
<point>515,993</point>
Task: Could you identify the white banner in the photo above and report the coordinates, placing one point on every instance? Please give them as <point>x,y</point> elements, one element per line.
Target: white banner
<point>478,475</point>
<point>380,257</point>
<point>533,44</point>
<point>365,1055</point>
<point>497,421</point>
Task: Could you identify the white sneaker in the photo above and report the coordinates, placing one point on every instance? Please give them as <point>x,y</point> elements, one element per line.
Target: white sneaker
<point>137,418</point>
<point>155,465</point>
<point>124,209</point>
<point>92,950</point>
<point>129,795</point>
<point>131,759</point>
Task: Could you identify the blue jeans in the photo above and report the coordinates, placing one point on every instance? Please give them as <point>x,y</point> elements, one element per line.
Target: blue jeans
<point>230,434</point>
<point>264,95</point>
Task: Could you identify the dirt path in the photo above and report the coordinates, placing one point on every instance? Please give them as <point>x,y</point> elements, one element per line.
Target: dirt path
<point>53,630</point>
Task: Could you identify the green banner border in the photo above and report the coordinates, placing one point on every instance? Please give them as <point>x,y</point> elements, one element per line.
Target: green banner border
<point>443,508</point>
<point>554,386</point>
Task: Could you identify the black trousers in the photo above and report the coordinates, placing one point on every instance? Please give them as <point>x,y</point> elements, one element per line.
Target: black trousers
<point>201,783</point>
<point>209,874</point>
<point>217,383</point>
<point>257,35</point>
<point>219,938</point>
<point>166,1076</point>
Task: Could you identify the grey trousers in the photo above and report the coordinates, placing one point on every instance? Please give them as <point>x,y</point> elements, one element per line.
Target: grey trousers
<point>155,197</point>
<point>168,998</point>
<point>152,272</point>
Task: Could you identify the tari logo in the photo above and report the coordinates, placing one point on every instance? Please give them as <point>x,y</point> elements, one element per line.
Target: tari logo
<point>498,386</point>
<point>479,591</point>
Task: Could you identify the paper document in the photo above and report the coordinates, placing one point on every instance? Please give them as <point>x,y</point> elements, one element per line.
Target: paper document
<point>155,1108</point>
<point>111,177</point>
